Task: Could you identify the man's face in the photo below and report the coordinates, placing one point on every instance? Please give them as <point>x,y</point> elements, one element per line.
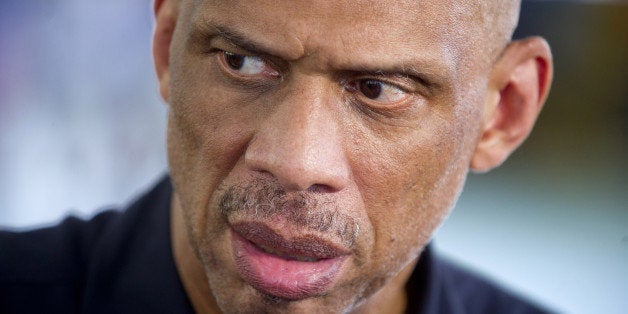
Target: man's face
<point>315,146</point>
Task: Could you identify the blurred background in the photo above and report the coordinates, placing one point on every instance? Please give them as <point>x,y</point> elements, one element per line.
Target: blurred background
<point>82,126</point>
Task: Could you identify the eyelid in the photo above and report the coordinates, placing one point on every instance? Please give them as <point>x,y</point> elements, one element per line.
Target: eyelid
<point>361,100</point>
<point>219,43</point>
<point>404,82</point>
<point>406,87</point>
<point>223,63</point>
<point>406,79</point>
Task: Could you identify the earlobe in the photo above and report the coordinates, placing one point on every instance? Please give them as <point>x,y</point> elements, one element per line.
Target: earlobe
<point>518,88</point>
<point>165,21</point>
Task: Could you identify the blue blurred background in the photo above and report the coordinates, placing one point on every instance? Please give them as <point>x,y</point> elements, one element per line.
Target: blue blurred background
<point>82,126</point>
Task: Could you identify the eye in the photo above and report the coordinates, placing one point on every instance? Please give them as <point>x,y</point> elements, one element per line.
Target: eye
<point>377,90</point>
<point>247,65</point>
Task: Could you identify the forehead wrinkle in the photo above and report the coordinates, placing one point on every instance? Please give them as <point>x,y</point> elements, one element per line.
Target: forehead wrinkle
<point>490,27</point>
<point>459,34</point>
<point>268,38</point>
<point>241,40</point>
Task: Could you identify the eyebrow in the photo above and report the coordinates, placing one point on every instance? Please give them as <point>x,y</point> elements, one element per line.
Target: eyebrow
<point>427,78</point>
<point>430,78</point>
<point>242,41</point>
<point>238,39</point>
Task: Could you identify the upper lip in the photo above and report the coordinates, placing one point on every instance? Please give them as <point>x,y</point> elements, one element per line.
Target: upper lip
<point>312,246</point>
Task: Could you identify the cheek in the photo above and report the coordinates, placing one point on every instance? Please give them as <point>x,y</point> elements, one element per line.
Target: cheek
<point>207,134</point>
<point>409,183</point>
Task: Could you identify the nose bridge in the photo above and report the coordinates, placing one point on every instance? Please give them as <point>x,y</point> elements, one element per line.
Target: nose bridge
<point>299,141</point>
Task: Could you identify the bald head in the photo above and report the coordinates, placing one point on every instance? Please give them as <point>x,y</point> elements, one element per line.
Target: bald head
<point>363,107</point>
<point>483,26</point>
<point>497,17</point>
<point>500,20</point>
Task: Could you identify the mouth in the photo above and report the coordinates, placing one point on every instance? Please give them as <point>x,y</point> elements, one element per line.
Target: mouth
<point>289,269</point>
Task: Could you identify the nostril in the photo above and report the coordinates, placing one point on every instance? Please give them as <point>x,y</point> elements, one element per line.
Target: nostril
<point>320,188</point>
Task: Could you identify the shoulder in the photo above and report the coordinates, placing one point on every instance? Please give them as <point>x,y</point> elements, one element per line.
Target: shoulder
<point>63,252</point>
<point>60,247</point>
<point>47,262</point>
<point>82,265</point>
<point>481,294</point>
<point>132,268</point>
<point>446,287</point>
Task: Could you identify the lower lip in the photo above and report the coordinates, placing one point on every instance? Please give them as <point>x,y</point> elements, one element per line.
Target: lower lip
<point>282,278</point>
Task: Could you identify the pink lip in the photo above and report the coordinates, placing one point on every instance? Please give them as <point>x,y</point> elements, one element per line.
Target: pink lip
<point>281,274</point>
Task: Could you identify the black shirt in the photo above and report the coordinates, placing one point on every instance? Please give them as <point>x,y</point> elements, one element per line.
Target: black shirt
<point>121,262</point>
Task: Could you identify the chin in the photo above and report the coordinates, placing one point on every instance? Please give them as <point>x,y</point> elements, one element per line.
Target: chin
<point>249,300</point>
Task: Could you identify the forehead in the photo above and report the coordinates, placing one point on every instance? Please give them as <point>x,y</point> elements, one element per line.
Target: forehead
<point>439,34</point>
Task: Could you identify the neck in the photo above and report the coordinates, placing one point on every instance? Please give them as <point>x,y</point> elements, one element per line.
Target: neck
<point>392,298</point>
<point>188,265</point>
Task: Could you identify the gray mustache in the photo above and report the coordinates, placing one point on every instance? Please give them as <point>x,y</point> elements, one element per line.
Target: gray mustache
<point>263,200</point>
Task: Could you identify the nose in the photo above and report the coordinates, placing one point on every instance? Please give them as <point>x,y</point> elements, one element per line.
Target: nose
<point>299,143</point>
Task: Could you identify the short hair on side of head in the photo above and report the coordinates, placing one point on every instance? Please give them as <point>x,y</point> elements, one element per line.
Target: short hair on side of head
<point>500,20</point>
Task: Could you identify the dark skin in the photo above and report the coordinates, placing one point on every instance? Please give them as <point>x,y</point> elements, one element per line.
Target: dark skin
<point>378,121</point>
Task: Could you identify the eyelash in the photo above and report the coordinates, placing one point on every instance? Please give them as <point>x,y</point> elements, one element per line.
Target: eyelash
<point>353,86</point>
<point>248,81</point>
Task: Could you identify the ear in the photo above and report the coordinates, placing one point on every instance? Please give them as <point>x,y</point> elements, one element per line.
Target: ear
<point>165,21</point>
<point>518,87</point>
